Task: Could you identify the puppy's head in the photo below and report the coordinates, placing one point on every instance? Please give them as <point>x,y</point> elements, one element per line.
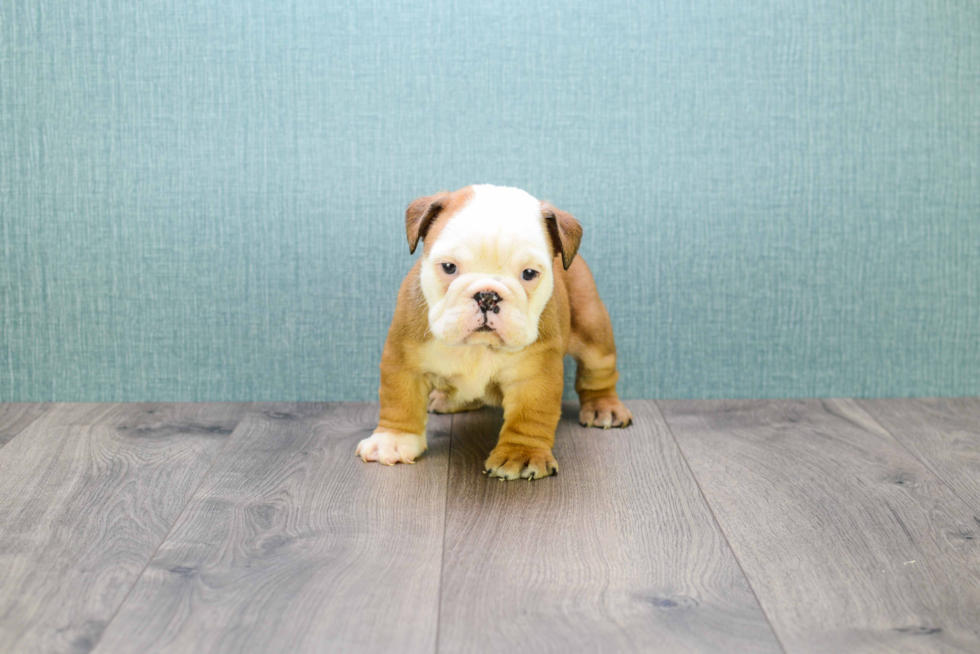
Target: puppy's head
<point>487,264</point>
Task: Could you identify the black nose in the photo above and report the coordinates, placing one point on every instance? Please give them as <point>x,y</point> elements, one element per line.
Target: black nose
<point>488,301</point>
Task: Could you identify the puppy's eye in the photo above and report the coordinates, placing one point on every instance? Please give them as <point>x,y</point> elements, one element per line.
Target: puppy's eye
<point>529,274</point>
<point>449,268</point>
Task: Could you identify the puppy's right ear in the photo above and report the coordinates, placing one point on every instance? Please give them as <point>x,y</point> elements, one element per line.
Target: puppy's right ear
<point>419,217</point>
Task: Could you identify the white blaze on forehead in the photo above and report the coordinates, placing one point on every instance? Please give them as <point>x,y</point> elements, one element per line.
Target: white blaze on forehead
<point>508,219</point>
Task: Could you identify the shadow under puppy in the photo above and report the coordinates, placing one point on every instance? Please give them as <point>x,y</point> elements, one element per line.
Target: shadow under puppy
<point>485,317</point>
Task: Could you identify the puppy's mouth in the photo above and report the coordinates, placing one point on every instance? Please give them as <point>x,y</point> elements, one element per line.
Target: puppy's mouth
<point>485,335</point>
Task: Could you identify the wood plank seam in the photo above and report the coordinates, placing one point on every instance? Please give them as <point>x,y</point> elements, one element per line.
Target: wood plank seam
<point>445,522</point>
<point>721,529</point>
<point>169,531</point>
<point>623,555</point>
<point>22,429</point>
<point>288,544</point>
<point>925,462</point>
<point>6,441</point>
<point>828,486</point>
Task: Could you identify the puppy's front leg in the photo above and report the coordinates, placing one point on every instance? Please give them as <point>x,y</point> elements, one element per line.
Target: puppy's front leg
<point>532,409</point>
<point>400,436</point>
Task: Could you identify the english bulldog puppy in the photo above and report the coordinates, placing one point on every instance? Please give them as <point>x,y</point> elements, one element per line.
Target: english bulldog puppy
<point>485,317</point>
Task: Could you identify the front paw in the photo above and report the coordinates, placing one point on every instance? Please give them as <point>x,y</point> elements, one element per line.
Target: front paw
<point>389,446</point>
<point>520,462</point>
<point>604,412</point>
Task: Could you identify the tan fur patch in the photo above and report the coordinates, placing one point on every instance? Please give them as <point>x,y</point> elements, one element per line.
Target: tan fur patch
<point>452,205</point>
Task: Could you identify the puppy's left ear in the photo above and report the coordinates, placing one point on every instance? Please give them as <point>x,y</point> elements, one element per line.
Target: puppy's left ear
<point>565,232</point>
<point>419,217</point>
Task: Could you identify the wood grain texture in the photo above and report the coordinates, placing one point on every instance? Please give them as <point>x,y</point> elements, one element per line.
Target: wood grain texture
<point>619,552</point>
<point>943,433</point>
<point>294,545</point>
<point>87,493</point>
<point>851,544</point>
<point>15,416</point>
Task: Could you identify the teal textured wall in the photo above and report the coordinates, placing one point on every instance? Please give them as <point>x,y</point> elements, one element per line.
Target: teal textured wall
<point>204,200</point>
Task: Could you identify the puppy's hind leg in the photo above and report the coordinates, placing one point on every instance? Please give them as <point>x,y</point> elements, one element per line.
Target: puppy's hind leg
<point>442,402</point>
<point>594,349</point>
<point>595,383</point>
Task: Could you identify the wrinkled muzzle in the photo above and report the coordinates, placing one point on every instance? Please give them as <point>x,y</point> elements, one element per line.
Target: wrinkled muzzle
<point>483,309</point>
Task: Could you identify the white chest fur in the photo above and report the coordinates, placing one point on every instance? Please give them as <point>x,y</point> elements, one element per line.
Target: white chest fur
<point>467,368</point>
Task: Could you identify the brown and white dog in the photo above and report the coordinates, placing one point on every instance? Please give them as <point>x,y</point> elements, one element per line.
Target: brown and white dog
<point>485,317</point>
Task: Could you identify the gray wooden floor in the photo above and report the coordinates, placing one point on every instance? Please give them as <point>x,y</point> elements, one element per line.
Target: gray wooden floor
<point>709,526</point>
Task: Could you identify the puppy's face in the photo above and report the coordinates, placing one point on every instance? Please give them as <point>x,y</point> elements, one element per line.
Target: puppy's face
<point>486,271</point>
